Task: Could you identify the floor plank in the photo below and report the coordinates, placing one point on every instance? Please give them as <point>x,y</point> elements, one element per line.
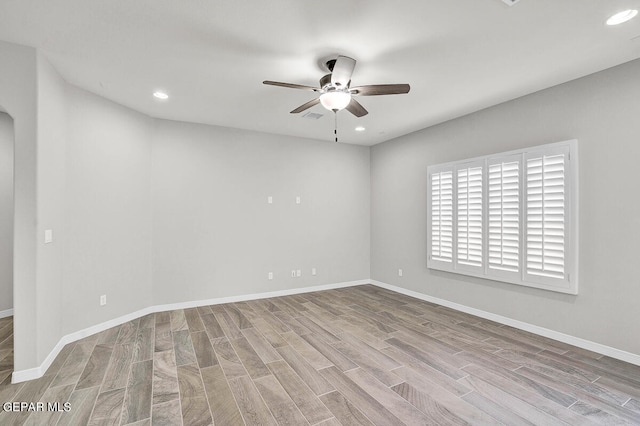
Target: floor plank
<point>108,408</point>
<point>117,373</point>
<point>221,401</point>
<point>437,412</point>
<point>309,375</point>
<point>166,414</point>
<point>228,359</point>
<point>203,349</point>
<point>82,402</point>
<point>282,407</point>
<point>137,404</point>
<point>250,359</point>
<point>343,410</point>
<point>253,409</point>
<point>397,405</point>
<point>183,347</point>
<point>304,398</point>
<point>165,377</point>
<point>96,367</point>
<point>374,409</point>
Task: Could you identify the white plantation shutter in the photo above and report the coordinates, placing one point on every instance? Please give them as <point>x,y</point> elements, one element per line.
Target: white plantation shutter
<point>469,216</point>
<point>442,216</point>
<point>546,215</point>
<point>510,217</point>
<point>504,214</point>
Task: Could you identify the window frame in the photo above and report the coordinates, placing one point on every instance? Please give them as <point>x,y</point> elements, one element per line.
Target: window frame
<point>568,284</point>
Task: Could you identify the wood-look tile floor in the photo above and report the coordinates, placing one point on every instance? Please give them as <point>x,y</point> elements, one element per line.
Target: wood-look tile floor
<point>359,355</point>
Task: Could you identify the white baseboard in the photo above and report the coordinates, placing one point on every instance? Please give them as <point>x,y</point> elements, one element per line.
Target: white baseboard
<point>552,334</point>
<point>256,296</point>
<point>37,372</point>
<point>6,313</point>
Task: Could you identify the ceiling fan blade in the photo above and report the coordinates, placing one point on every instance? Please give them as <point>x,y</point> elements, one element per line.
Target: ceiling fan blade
<point>306,106</point>
<point>380,89</point>
<point>290,85</point>
<point>342,70</point>
<point>356,109</point>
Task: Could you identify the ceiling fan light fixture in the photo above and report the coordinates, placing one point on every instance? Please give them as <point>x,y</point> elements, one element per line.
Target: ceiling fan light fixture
<point>335,100</point>
<point>622,17</point>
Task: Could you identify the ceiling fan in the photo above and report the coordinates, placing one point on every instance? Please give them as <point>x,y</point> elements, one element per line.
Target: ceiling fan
<point>335,91</point>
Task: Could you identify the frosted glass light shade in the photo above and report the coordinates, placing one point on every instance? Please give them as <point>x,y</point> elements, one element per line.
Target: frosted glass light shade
<point>335,100</point>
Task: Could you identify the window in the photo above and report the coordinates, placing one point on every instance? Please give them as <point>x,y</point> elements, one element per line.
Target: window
<point>508,217</point>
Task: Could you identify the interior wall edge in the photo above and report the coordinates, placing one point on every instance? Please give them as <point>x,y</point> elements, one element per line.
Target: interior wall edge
<point>37,372</point>
<point>531,328</point>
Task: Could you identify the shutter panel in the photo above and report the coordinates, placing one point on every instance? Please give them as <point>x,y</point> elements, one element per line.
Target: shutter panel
<point>504,216</point>
<point>545,215</point>
<point>442,216</point>
<point>469,216</point>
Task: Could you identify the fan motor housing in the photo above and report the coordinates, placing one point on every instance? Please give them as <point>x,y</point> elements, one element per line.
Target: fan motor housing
<point>325,84</point>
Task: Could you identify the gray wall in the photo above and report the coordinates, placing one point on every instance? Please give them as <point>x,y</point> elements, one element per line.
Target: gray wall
<point>601,111</point>
<point>52,127</point>
<point>6,212</point>
<point>107,211</point>
<point>214,234</point>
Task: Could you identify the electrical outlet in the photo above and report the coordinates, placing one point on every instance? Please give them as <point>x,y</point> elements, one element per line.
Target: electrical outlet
<point>298,273</point>
<point>313,271</point>
<point>399,272</point>
<point>298,200</point>
<point>103,300</point>
<point>270,199</point>
<point>293,273</point>
<point>270,275</point>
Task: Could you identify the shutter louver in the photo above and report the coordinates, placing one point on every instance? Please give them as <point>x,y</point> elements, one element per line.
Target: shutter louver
<point>469,216</point>
<point>504,213</point>
<point>442,216</point>
<point>546,216</point>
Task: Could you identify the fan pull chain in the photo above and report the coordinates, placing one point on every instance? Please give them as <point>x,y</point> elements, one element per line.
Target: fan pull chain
<point>335,130</point>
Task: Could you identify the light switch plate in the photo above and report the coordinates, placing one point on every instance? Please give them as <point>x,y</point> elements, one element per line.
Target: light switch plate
<point>48,236</point>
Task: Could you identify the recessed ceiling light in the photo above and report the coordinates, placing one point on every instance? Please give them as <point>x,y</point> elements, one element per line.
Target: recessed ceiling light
<point>161,95</point>
<point>360,129</point>
<point>621,17</point>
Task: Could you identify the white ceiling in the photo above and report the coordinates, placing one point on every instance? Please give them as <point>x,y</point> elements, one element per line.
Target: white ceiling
<point>211,56</point>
